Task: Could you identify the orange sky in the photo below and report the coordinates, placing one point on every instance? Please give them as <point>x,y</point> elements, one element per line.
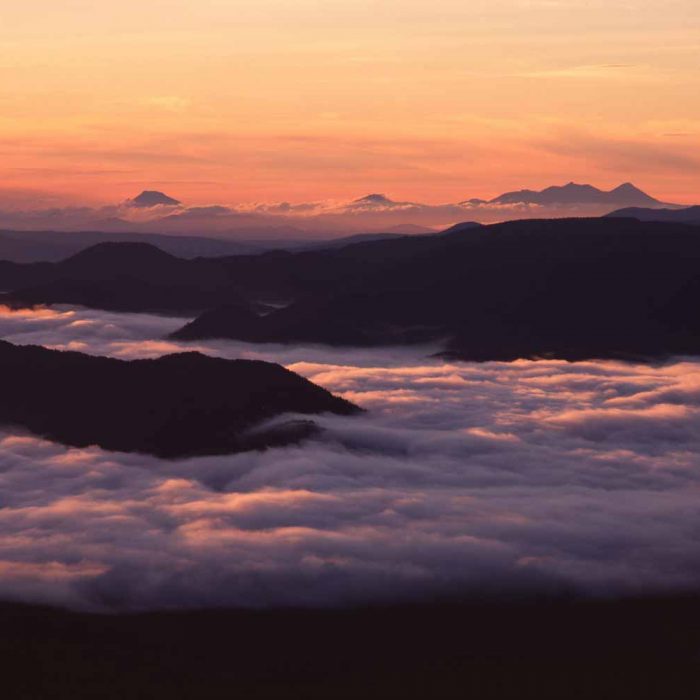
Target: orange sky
<point>250,100</point>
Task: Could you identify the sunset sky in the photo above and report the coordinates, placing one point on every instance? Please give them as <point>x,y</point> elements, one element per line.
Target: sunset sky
<point>267,100</point>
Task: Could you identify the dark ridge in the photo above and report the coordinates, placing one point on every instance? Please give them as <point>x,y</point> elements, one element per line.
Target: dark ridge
<point>573,289</point>
<point>120,277</point>
<point>208,325</point>
<point>573,193</point>
<point>112,253</point>
<point>132,281</point>
<point>175,406</point>
<point>356,238</point>
<point>686,215</point>
<point>53,246</point>
<point>567,288</point>
<point>459,228</point>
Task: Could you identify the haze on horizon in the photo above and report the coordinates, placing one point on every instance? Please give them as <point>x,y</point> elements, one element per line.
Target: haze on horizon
<point>221,101</point>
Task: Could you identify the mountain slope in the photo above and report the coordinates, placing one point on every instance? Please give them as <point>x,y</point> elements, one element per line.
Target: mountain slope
<point>175,406</point>
<point>687,215</point>
<point>152,198</point>
<point>564,288</point>
<point>624,195</point>
<point>567,288</point>
<point>127,277</point>
<point>53,246</point>
<point>119,277</point>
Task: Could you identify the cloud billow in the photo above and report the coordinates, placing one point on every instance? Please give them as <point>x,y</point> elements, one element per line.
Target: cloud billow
<point>461,479</point>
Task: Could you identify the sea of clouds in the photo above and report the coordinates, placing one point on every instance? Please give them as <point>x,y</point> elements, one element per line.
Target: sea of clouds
<point>461,479</point>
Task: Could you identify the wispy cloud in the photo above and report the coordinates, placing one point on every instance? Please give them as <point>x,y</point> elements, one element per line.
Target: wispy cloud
<point>594,71</point>
<point>644,156</point>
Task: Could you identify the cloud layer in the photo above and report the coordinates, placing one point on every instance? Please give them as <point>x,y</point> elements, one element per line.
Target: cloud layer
<point>315,219</point>
<point>461,479</point>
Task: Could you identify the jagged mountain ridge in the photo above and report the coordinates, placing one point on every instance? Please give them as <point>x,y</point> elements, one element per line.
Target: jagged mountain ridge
<point>626,194</point>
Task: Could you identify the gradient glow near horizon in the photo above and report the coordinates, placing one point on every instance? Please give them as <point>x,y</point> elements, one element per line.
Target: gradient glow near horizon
<point>265,100</point>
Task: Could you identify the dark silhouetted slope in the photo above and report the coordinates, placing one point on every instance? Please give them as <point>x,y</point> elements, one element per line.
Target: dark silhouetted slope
<point>53,246</point>
<point>152,198</point>
<point>458,228</point>
<point>567,288</point>
<point>119,277</point>
<point>564,288</point>
<point>210,323</point>
<point>572,194</point>
<point>687,215</point>
<point>178,405</point>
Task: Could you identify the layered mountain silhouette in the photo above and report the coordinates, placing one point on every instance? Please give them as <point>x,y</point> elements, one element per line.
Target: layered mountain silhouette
<point>154,212</point>
<point>571,288</point>
<point>685,215</point>
<point>175,406</point>
<point>53,246</point>
<point>572,193</point>
<point>120,277</point>
<point>624,195</point>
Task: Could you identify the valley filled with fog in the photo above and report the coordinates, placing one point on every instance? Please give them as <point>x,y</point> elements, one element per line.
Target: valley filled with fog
<point>460,479</point>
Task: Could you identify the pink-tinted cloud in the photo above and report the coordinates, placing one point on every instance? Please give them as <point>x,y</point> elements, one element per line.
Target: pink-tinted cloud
<point>527,476</point>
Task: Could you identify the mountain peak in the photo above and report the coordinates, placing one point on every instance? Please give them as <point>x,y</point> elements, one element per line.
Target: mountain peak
<point>153,198</point>
<point>575,186</point>
<point>573,194</point>
<point>374,199</point>
<point>631,195</point>
<point>113,254</point>
<point>627,187</point>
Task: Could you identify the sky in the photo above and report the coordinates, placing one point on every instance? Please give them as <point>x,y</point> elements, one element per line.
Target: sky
<point>239,101</point>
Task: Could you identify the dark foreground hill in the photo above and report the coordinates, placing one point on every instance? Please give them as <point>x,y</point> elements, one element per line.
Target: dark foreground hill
<point>175,406</point>
<point>627,650</point>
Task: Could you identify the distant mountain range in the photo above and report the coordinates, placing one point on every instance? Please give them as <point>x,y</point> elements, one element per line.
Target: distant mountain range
<point>155,212</point>
<point>54,246</point>
<point>573,194</point>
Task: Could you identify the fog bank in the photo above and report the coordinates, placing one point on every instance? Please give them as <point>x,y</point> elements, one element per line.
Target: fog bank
<point>461,479</point>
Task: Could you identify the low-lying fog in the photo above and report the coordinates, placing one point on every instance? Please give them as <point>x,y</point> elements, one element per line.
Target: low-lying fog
<point>461,479</point>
